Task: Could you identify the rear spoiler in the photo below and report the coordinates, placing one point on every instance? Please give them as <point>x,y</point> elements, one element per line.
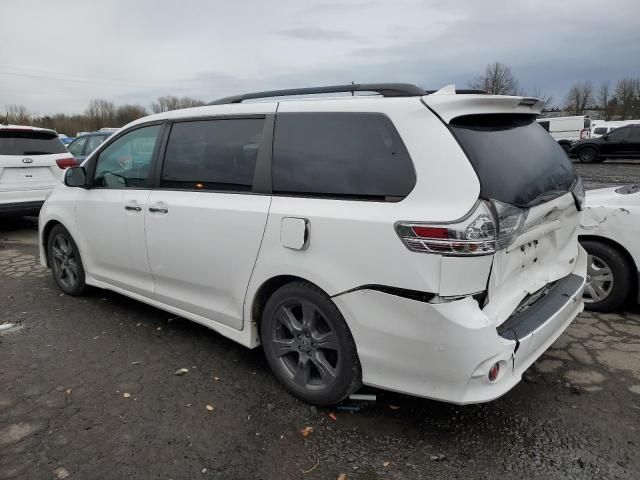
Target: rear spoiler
<point>451,105</point>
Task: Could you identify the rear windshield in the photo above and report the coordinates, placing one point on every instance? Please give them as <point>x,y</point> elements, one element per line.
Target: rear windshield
<point>24,142</point>
<point>515,158</point>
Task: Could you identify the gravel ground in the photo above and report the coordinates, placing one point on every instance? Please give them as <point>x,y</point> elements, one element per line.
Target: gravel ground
<point>88,389</point>
<point>609,173</point>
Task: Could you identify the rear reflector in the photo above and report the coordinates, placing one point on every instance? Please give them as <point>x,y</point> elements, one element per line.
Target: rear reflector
<point>64,163</point>
<point>494,371</point>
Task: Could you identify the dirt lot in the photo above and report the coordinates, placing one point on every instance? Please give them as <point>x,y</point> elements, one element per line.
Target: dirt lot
<point>88,390</point>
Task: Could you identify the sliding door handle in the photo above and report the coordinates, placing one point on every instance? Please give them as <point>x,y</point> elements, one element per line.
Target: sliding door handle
<point>158,210</point>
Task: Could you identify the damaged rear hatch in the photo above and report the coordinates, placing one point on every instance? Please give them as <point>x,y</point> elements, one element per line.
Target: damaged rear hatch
<point>529,188</point>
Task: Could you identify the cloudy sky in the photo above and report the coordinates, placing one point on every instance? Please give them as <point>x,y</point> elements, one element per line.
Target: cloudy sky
<point>57,55</point>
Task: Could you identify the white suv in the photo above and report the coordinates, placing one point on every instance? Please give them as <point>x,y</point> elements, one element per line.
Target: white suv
<point>415,241</point>
<point>31,164</point>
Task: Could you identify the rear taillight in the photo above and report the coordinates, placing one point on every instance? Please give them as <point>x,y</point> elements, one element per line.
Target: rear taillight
<point>67,162</point>
<point>491,226</point>
<point>584,133</point>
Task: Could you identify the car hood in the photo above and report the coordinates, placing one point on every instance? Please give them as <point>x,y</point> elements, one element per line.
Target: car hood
<point>588,141</point>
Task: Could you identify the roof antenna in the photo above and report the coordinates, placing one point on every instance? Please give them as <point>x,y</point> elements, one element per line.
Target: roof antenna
<point>353,93</point>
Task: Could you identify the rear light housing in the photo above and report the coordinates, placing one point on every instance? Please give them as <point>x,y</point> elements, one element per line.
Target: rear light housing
<point>65,163</point>
<point>490,226</point>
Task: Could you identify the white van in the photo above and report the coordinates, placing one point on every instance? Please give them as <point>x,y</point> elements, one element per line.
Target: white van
<point>422,243</point>
<point>567,130</point>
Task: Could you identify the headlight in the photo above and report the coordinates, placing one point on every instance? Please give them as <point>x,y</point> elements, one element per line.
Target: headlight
<point>577,189</point>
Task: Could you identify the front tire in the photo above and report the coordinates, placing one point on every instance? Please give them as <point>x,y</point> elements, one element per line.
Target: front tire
<point>308,345</point>
<point>65,261</point>
<point>588,155</point>
<point>609,277</point>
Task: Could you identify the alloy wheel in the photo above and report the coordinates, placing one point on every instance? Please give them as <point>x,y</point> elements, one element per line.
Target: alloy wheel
<point>65,263</point>
<point>305,344</point>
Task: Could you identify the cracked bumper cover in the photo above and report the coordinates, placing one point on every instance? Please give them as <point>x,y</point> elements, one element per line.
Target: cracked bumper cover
<point>444,351</point>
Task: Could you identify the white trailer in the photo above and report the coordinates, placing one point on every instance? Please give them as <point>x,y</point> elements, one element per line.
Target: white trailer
<point>567,130</point>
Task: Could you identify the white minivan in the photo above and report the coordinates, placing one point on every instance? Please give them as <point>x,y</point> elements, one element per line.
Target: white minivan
<point>31,164</point>
<point>419,242</point>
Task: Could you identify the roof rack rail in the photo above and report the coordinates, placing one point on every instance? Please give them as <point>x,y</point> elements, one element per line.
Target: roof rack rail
<point>384,89</point>
<point>461,92</point>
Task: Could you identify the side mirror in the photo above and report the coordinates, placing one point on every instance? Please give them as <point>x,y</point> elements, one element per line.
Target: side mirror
<point>75,177</point>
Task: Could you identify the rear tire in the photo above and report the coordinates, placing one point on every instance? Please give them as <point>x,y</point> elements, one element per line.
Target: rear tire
<point>308,345</point>
<point>609,277</point>
<point>65,262</point>
<point>588,155</point>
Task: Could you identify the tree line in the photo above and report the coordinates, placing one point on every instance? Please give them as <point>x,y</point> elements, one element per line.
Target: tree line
<point>100,113</point>
<point>619,100</point>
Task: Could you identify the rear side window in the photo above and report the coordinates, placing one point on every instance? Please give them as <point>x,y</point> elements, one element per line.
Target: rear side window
<point>212,154</point>
<point>340,155</point>
<point>516,160</point>
<point>619,134</point>
<point>77,146</point>
<point>600,130</point>
<point>26,142</point>
<point>95,141</point>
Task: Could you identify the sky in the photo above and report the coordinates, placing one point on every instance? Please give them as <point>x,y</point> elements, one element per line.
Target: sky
<point>55,56</point>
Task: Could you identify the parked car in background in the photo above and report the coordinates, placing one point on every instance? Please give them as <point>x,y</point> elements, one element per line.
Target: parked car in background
<point>623,142</point>
<point>31,164</point>
<point>609,232</point>
<point>87,142</point>
<point>567,130</point>
<point>64,139</point>
<point>601,127</point>
<point>423,243</point>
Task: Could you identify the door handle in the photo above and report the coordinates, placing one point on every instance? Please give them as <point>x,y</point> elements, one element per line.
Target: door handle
<point>158,210</point>
<point>134,208</point>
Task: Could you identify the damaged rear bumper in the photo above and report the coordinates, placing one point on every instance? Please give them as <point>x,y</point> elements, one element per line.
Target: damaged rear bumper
<point>445,351</point>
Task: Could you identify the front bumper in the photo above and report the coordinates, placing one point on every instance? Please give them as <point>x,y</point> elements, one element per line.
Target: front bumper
<point>444,351</point>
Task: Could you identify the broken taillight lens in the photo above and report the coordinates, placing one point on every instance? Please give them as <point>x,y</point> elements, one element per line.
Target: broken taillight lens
<point>491,226</point>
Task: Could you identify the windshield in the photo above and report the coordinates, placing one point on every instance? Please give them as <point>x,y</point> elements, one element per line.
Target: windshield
<point>516,160</point>
<point>29,142</point>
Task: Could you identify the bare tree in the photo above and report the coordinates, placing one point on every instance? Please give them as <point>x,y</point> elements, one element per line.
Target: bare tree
<point>628,96</point>
<point>101,113</point>
<point>497,80</point>
<point>18,115</point>
<point>171,102</point>
<point>187,102</point>
<point>547,101</point>
<point>579,98</point>
<point>129,113</point>
<point>604,99</point>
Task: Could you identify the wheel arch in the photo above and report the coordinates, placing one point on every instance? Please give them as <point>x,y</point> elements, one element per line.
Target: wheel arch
<point>46,231</point>
<point>268,288</point>
<point>620,248</point>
